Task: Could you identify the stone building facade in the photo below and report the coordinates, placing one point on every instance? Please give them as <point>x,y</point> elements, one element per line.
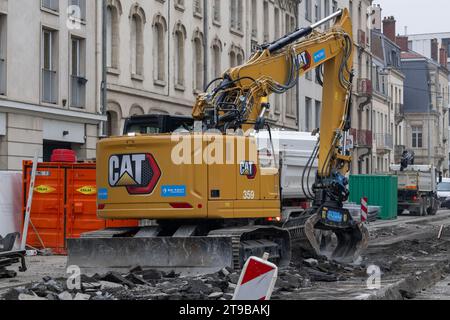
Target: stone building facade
<point>48,82</point>
<point>161,53</point>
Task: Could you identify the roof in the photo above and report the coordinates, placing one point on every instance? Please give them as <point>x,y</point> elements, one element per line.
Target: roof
<point>412,55</point>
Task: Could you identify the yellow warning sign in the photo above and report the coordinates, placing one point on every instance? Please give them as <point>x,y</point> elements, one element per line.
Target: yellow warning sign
<point>87,190</point>
<point>44,189</point>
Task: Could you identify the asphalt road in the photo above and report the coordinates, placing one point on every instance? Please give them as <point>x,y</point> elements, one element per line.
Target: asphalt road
<point>384,234</point>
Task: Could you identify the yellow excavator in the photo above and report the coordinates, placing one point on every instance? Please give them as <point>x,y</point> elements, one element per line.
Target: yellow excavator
<point>206,194</point>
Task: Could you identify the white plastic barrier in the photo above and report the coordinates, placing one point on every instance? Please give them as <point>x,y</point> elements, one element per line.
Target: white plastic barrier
<point>10,203</point>
<point>257,280</point>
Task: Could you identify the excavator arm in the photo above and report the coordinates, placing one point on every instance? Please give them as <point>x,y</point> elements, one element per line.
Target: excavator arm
<point>240,99</point>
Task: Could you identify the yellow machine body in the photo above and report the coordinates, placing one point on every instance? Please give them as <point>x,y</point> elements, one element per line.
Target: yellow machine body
<point>217,179</point>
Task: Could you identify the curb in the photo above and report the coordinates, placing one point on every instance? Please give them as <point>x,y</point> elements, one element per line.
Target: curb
<point>409,286</point>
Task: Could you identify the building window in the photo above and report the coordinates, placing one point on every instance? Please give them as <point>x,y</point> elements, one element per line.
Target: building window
<point>3,80</point>
<point>417,137</point>
<point>112,37</point>
<point>216,59</point>
<point>317,11</point>
<point>137,45</point>
<point>266,21</point>
<point>308,10</point>
<point>308,103</point>
<point>159,47</point>
<point>79,12</point>
<point>326,12</point>
<point>198,10</point>
<point>78,70</point>
<point>277,23</point>
<point>51,4</point>
<point>180,36</point>
<point>232,59</point>
<point>240,58</point>
<point>318,111</point>
<point>254,19</point>
<point>335,6</point>
<point>49,66</point>
<point>112,127</point>
<point>198,62</point>
<point>350,9</point>
<point>216,15</point>
<point>236,14</point>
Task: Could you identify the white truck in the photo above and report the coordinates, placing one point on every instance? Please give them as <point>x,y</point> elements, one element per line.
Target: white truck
<point>291,152</point>
<point>417,189</point>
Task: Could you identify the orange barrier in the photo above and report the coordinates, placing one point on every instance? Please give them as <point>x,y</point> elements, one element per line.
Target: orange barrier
<point>64,204</point>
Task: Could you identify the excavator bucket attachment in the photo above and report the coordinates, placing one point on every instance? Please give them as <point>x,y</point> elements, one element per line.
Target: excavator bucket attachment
<point>316,239</point>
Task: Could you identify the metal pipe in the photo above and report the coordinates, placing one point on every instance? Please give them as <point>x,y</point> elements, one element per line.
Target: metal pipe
<point>104,58</point>
<point>205,41</point>
<point>290,38</point>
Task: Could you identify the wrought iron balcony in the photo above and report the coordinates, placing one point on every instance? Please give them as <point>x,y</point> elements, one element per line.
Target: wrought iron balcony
<point>362,138</point>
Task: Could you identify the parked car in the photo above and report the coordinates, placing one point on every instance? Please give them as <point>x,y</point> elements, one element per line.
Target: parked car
<point>443,192</point>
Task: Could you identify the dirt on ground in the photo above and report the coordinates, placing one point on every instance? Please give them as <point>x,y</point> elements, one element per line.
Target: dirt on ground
<point>403,253</point>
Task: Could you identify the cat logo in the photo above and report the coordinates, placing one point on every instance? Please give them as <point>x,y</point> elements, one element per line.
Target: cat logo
<point>247,168</point>
<point>44,189</point>
<point>139,173</point>
<point>87,190</point>
<point>304,60</point>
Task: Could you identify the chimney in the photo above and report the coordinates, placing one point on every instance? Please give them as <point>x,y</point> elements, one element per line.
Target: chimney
<point>376,17</point>
<point>402,42</point>
<point>389,28</point>
<point>443,54</point>
<point>434,49</point>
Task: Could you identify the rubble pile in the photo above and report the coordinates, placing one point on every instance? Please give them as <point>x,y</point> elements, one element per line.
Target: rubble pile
<point>139,284</point>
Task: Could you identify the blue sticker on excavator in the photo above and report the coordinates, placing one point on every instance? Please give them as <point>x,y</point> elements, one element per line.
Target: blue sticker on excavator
<point>103,194</point>
<point>319,56</point>
<point>173,191</point>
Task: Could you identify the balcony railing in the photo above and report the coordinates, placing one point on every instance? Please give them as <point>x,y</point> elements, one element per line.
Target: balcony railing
<point>51,4</point>
<point>362,138</point>
<point>78,92</point>
<point>2,77</point>
<point>384,141</point>
<point>49,86</point>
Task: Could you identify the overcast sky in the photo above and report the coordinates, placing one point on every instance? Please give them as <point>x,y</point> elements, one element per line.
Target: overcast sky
<point>418,15</point>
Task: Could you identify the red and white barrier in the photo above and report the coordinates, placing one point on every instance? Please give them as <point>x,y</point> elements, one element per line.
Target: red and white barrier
<point>257,280</point>
<point>364,209</point>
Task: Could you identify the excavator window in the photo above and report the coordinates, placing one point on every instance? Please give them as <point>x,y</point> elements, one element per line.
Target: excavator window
<point>157,124</point>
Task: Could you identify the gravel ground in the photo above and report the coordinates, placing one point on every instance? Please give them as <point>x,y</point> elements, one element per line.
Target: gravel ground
<point>402,248</point>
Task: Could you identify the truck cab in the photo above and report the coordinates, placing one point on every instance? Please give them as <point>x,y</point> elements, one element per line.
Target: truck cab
<point>443,192</point>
